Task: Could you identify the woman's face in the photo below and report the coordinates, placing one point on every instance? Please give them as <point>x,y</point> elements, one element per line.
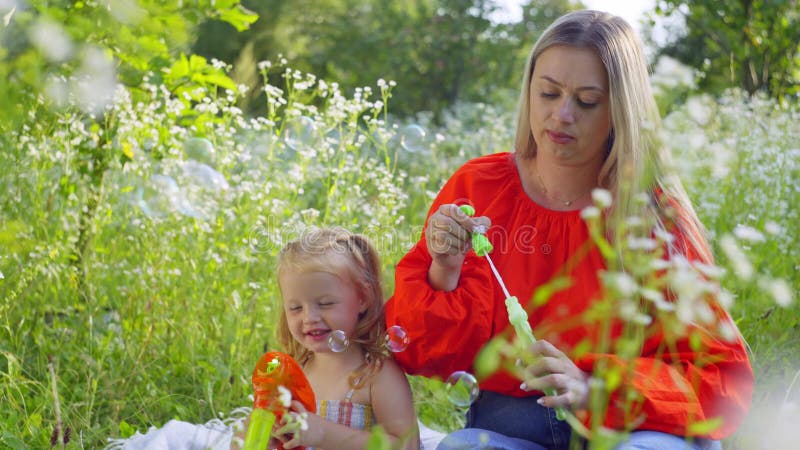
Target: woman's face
<point>570,116</point>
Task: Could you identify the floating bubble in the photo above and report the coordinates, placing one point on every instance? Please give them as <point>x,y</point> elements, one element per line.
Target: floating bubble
<point>338,341</point>
<point>159,196</point>
<point>203,188</point>
<point>299,132</point>
<point>204,176</point>
<point>396,339</point>
<point>199,149</point>
<point>412,138</point>
<point>462,388</point>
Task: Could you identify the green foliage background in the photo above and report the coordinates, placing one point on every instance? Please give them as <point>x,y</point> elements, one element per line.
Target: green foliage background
<point>112,320</point>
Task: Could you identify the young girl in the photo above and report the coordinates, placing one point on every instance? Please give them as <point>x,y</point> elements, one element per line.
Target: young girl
<point>330,283</point>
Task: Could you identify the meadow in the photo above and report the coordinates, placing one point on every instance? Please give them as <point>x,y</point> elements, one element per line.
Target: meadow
<point>136,277</point>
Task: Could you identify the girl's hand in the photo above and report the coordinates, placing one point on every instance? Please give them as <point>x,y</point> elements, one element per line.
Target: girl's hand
<point>552,369</point>
<point>300,428</point>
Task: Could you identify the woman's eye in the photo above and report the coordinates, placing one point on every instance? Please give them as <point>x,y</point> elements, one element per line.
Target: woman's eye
<point>586,104</point>
<point>295,308</point>
<point>324,304</point>
<point>549,95</point>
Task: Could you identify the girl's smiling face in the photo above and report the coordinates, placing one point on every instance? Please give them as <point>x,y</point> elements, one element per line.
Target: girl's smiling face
<point>317,303</point>
<point>570,114</point>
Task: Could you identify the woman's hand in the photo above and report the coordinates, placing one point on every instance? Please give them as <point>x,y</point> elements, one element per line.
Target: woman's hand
<point>553,370</point>
<point>448,238</point>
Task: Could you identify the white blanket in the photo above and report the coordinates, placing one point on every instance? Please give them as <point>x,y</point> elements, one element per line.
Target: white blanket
<point>215,435</point>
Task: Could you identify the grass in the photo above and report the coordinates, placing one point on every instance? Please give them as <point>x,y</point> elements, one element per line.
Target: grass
<point>148,318</point>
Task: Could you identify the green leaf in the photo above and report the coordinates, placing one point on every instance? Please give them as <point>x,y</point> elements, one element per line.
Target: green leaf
<point>11,441</point>
<point>705,427</point>
<point>125,430</point>
<point>219,79</point>
<point>378,440</point>
<point>240,17</point>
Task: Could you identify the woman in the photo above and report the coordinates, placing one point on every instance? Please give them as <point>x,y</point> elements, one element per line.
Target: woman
<point>587,119</point>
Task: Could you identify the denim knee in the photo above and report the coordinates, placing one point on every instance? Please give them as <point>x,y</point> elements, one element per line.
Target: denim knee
<point>655,440</point>
<point>474,438</point>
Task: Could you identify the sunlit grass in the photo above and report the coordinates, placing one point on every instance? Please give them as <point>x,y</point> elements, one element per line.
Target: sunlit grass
<point>163,315</point>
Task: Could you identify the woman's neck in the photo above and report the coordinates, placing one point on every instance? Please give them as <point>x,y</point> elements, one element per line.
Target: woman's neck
<point>557,186</point>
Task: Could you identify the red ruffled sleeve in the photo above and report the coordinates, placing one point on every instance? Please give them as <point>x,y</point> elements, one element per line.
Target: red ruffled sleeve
<point>446,329</point>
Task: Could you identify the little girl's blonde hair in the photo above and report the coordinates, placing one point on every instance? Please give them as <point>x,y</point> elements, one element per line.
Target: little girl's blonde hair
<point>352,258</point>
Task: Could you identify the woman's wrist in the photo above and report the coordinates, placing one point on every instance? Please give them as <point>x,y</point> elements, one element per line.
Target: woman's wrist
<point>445,271</point>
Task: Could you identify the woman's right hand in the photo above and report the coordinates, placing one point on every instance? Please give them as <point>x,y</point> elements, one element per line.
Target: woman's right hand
<point>448,238</point>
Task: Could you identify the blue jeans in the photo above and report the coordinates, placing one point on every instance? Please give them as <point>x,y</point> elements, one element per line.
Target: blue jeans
<point>501,422</point>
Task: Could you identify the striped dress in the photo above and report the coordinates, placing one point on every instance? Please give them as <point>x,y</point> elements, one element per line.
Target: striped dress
<point>345,412</point>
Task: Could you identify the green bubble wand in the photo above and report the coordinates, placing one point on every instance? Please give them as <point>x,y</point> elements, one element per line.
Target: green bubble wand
<point>516,314</point>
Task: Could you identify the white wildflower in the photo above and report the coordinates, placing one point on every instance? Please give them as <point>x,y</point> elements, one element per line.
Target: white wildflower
<point>725,299</point>
<point>663,235</point>
<point>727,331</point>
<point>749,234</point>
<point>634,221</point>
<point>773,228</point>
<point>284,396</point>
<point>709,270</point>
<point>741,265</point>
<point>660,264</point>
<point>623,283</point>
<point>652,295</point>
<point>779,289</point>
<point>590,212</point>
<point>52,40</point>
<point>601,198</point>
<point>645,244</point>
<point>698,110</point>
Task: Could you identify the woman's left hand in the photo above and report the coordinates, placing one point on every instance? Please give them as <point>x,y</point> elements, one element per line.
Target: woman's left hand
<point>551,371</point>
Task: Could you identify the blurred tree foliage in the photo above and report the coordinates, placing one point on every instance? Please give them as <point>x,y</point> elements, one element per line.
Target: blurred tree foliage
<point>437,51</point>
<point>751,44</point>
<point>44,41</point>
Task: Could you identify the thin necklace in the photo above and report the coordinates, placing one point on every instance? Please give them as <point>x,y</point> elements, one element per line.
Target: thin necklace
<point>544,191</point>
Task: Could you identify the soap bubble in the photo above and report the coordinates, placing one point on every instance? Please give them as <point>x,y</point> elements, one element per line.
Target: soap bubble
<point>338,341</point>
<point>462,388</point>
<point>396,338</point>
<point>412,138</point>
<point>203,190</point>
<point>199,149</point>
<point>158,196</point>
<point>298,132</point>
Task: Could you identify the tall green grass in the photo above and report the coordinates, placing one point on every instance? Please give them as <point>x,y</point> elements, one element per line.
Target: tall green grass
<point>159,316</point>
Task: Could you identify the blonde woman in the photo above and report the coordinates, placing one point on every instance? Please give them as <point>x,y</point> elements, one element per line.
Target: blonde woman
<point>587,120</point>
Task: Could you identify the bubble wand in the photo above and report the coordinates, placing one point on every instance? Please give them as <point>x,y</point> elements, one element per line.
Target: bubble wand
<point>277,379</point>
<point>516,314</point>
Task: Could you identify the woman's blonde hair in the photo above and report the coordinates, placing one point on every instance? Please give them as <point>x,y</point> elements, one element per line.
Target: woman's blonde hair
<point>352,258</point>
<point>636,160</point>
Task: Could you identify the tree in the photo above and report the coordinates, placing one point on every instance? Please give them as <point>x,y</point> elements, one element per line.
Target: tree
<point>751,44</point>
<point>438,51</point>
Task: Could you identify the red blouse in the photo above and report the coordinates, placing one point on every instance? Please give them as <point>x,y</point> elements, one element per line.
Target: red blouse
<point>533,244</point>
